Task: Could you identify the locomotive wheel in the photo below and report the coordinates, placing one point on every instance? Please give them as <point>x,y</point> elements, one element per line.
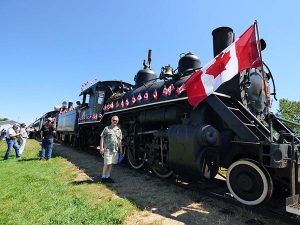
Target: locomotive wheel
<point>135,162</point>
<point>162,172</point>
<point>249,182</point>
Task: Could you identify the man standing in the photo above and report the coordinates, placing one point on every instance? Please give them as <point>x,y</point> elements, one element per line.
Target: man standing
<point>110,144</point>
<point>11,141</point>
<point>47,131</point>
<point>24,137</point>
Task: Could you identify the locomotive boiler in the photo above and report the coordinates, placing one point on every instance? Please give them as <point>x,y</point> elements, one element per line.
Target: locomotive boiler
<point>232,128</point>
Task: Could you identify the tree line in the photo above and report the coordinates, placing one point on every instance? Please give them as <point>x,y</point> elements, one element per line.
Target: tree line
<point>290,110</point>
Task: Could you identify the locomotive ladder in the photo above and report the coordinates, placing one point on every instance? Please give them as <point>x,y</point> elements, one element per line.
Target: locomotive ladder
<point>238,118</point>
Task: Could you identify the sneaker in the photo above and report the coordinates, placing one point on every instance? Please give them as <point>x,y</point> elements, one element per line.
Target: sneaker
<point>109,180</point>
<point>41,158</point>
<point>103,180</point>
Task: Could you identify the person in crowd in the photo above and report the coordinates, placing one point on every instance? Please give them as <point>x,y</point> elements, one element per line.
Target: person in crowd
<point>70,106</point>
<point>63,107</point>
<point>12,134</point>
<point>3,134</point>
<point>78,106</point>
<point>47,132</point>
<point>53,121</point>
<point>110,148</point>
<point>23,136</point>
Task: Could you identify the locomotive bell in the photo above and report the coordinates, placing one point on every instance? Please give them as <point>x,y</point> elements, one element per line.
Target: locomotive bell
<point>188,62</point>
<point>166,71</point>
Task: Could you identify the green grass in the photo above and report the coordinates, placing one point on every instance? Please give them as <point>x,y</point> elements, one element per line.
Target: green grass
<point>43,192</point>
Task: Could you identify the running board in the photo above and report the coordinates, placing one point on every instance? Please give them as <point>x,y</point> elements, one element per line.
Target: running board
<point>293,205</point>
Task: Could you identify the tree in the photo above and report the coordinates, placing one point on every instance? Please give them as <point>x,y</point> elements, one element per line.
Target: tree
<point>290,110</point>
<point>3,119</point>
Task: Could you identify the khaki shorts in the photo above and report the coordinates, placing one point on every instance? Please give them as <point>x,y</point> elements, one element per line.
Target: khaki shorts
<point>110,158</point>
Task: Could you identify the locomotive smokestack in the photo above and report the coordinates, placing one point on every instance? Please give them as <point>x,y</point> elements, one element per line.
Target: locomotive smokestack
<point>149,57</point>
<point>222,38</point>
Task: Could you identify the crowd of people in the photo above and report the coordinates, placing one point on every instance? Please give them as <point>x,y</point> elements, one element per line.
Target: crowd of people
<point>17,135</point>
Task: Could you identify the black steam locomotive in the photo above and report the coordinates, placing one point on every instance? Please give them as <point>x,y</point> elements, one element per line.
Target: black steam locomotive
<point>233,128</point>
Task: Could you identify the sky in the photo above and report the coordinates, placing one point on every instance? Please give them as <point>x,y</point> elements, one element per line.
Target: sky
<point>49,48</point>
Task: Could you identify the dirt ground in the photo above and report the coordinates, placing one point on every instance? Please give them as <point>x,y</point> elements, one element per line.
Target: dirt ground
<point>161,202</point>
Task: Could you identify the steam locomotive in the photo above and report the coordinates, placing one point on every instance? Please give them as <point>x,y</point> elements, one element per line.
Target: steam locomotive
<point>232,128</point>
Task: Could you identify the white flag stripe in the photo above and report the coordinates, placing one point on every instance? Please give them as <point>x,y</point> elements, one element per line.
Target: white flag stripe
<point>210,83</point>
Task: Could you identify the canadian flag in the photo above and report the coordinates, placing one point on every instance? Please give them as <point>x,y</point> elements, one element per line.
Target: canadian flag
<point>180,89</point>
<point>240,55</point>
<point>168,91</point>
<point>122,103</point>
<point>133,100</point>
<point>112,105</point>
<point>139,97</point>
<point>146,95</point>
<point>117,104</point>
<point>126,102</point>
<point>155,94</point>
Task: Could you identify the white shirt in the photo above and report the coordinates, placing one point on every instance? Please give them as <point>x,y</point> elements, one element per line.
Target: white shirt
<point>10,131</point>
<point>23,133</point>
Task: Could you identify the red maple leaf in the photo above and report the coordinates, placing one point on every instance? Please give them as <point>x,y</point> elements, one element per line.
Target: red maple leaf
<point>219,65</point>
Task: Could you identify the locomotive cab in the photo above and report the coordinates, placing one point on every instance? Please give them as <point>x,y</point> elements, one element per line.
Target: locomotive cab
<point>94,98</point>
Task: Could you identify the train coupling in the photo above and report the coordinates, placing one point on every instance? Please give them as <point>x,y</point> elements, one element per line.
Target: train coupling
<point>293,204</point>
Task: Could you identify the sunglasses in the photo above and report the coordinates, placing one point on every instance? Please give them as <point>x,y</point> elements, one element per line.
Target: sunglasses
<point>115,120</point>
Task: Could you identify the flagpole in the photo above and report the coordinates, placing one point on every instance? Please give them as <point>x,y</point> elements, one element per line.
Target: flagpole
<point>265,86</point>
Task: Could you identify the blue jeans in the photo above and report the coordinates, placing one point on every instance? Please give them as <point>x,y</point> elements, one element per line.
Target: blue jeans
<point>11,144</point>
<point>47,144</point>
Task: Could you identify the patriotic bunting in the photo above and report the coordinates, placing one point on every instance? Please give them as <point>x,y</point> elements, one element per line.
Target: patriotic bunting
<point>155,94</point>
<point>168,91</point>
<point>181,89</point>
<point>133,100</point>
<point>146,95</point>
<point>139,97</point>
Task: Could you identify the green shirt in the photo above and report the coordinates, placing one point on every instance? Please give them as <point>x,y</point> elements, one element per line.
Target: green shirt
<point>112,138</point>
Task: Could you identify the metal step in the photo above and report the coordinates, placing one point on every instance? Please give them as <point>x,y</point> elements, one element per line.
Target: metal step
<point>293,205</point>
<point>233,109</point>
<point>255,126</point>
